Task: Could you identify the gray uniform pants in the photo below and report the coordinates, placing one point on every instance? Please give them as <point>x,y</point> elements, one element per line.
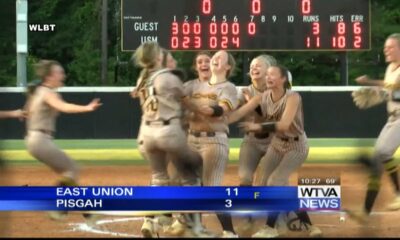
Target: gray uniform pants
<point>160,141</point>
<point>174,179</point>
<point>215,154</point>
<point>387,143</point>
<point>282,159</point>
<point>251,151</point>
<point>42,147</point>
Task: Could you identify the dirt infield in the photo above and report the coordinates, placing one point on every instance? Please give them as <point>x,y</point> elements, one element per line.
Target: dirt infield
<point>37,224</point>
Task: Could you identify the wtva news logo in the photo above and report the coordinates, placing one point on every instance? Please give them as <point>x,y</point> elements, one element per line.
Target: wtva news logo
<point>319,197</point>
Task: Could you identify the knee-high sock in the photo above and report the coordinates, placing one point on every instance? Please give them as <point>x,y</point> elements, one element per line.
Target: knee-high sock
<point>272,218</point>
<point>304,217</point>
<point>372,192</point>
<point>226,222</point>
<point>391,169</point>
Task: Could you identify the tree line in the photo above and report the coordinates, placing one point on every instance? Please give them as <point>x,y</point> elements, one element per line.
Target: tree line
<point>76,43</point>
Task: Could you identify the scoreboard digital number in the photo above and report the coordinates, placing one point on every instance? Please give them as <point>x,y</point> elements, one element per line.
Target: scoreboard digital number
<point>248,25</point>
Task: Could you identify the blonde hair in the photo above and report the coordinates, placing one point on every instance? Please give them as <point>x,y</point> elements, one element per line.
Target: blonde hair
<point>146,56</point>
<point>267,59</point>
<point>232,63</point>
<point>395,36</point>
<point>165,53</point>
<point>44,67</point>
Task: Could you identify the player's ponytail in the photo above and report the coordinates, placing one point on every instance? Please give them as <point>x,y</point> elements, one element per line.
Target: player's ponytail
<point>284,73</point>
<point>232,63</point>
<point>146,57</point>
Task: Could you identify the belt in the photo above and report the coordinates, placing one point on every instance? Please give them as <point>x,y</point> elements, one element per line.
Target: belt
<point>202,134</point>
<point>287,139</point>
<point>258,135</point>
<point>48,132</point>
<point>160,122</point>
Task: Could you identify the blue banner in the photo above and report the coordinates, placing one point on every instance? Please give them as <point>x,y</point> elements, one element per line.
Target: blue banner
<point>133,198</point>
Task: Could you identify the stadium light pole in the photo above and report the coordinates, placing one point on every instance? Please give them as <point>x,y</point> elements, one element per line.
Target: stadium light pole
<point>344,68</point>
<point>104,40</point>
<point>22,40</point>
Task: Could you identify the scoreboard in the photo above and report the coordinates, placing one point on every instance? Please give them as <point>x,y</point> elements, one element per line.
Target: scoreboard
<point>247,25</point>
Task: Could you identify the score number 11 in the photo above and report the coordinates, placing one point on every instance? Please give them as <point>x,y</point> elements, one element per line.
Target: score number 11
<point>231,192</point>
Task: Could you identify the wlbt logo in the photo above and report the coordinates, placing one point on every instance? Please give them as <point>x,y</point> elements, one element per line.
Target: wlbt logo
<point>42,27</point>
<point>319,197</point>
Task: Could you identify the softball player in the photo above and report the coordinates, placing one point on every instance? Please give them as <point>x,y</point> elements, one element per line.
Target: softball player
<point>254,145</point>
<point>201,66</point>
<point>289,146</point>
<point>43,107</point>
<point>162,133</point>
<point>389,138</point>
<point>208,131</point>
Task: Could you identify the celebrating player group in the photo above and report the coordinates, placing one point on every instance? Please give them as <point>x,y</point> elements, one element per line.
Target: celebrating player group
<point>185,128</point>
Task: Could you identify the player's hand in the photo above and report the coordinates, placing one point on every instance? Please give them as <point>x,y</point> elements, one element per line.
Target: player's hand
<point>94,104</point>
<point>246,94</point>
<point>134,93</point>
<point>206,110</point>
<point>250,126</point>
<point>20,114</point>
<point>362,80</point>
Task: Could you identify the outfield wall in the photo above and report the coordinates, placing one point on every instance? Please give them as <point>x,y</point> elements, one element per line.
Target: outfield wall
<point>329,113</point>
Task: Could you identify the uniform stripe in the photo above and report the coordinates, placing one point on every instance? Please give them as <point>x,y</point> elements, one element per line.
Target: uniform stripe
<point>227,103</point>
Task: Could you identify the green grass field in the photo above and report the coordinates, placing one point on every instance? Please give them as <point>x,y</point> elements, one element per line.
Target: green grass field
<point>124,151</point>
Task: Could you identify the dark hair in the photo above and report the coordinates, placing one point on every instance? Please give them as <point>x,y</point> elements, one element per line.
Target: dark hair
<point>284,73</point>
<point>195,58</point>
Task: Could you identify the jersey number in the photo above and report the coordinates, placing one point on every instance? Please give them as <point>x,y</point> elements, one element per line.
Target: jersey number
<point>152,105</point>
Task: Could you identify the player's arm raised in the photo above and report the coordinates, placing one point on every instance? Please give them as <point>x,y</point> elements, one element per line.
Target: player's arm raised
<point>238,114</point>
<point>365,80</point>
<point>283,124</point>
<point>55,101</point>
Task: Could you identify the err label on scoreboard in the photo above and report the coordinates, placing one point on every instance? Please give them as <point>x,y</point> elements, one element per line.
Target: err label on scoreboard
<point>248,25</point>
<point>319,193</point>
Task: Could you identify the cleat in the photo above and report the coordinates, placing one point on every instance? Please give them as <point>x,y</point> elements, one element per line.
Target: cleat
<point>229,234</point>
<point>360,216</point>
<point>164,222</point>
<point>282,224</point>
<point>395,205</point>
<point>91,219</point>
<point>147,229</point>
<point>314,231</point>
<point>177,228</point>
<point>57,215</point>
<point>201,233</point>
<point>247,227</point>
<point>266,232</point>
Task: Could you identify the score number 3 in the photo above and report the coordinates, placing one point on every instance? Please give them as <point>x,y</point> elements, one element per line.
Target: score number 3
<point>231,192</point>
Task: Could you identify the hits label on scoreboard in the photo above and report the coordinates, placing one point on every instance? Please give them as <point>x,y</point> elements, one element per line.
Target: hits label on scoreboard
<point>319,193</point>
<point>247,25</point>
